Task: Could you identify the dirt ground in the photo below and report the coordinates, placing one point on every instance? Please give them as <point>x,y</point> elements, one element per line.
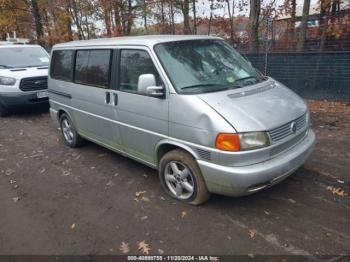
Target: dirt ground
<point>57,200</point>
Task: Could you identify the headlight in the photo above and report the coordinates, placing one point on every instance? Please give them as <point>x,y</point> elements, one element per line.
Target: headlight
<point>7,81</point>
<point>253,140</point>
<point>243,141</point>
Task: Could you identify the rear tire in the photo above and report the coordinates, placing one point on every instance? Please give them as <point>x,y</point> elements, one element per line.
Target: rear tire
<point>181,178</point>
<point>69,133</point>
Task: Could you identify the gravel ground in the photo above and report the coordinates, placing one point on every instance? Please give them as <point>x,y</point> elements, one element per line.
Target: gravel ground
<point>57,200</point>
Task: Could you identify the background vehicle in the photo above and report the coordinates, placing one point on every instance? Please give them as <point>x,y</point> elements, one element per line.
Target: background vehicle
<point>189,106</point>
<point>23,76</point>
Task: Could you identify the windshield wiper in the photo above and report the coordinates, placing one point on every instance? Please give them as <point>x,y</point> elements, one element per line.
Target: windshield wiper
<point>203,85</point>
<point>34,66</point>
<point>246,78</point>
<point>5,66</point>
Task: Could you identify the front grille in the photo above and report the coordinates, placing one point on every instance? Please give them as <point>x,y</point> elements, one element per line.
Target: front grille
<point>33,83</point>
<point>287,145</point>
<point>285,130</point>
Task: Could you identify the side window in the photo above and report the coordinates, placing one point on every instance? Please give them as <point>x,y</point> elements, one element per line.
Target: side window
<point>61,64</point>
<point>92,67</point>
<point>134,63</point>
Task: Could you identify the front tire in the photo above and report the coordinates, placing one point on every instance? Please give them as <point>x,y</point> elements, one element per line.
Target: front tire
<point>181,178</point>
<point>69,133</point>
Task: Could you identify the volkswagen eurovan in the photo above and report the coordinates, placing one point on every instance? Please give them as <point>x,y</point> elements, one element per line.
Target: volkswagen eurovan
<point>189,106</point>
<point>23,76</point>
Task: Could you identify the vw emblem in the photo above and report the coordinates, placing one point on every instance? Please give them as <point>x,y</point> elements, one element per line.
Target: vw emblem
<point>293,127</point>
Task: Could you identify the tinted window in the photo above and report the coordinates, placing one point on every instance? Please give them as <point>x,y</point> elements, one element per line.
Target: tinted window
<point>92,67</point>
<point>134,63</point>
<point>61,64</point>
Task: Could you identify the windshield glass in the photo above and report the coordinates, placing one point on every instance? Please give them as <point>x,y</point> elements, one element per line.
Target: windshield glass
<point>200,66</point>
<point>15,57</point>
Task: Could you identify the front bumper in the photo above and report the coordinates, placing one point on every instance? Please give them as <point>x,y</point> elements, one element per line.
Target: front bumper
<point>16,99</point>
<point>245,180</point>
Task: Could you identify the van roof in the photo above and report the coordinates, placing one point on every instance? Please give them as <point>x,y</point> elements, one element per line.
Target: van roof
<point>145,40</point>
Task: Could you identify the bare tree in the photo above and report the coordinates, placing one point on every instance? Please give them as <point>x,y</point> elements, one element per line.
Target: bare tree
<point>231,15</point>
<point>324,16</point>
<point>303,26</point>
<point>255,7</point>
<point>194,17</point>
<point>37,20</point>
<point>184,6</point>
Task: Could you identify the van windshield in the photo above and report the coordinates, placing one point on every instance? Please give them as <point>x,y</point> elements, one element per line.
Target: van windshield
<point>19,57</point>
<point>200,66</point>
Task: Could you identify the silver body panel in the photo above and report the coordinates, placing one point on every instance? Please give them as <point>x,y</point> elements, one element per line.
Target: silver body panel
<point>139,126</point>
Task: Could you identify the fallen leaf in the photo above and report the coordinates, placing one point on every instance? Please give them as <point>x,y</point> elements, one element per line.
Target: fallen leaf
<point>161,251</point>
<point>252,233</point>
<point>110,183</point>
<point>139,193</point>
<point>144,198</point>
<point>124,248</point>
<point>183,214</point>
<point>145,175</point>
<point>72,226</point>
<point>144,247</point>
<point>292,200</point>
<point>337,191</point>
<point>15,199</point>
<point>144,218</point>
<point>66,173</point>
<point>9,172</point>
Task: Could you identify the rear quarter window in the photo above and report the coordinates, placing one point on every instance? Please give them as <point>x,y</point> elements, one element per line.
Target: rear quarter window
<point>92,67</point>
<point>61,64</point>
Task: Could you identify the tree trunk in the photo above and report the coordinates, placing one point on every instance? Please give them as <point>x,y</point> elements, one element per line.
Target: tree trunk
<point>77,20</point>
<point>185,7</point>
<point>37,21</point>
<point>211,15</point>
<point>117,20</point>
<point>68,21</point>
<point>303,26</point>
<point>194,17</point>
<point>144,7</point>
<point>324,15</point>
<point>292,21</point>
<point>231,14</point>
<point>107,18</point>
<point>129,18</point>
<point>254,25</point>
<point>172,18</point>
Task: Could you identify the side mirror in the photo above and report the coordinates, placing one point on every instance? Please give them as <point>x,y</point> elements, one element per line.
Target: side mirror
<point>147,86</point>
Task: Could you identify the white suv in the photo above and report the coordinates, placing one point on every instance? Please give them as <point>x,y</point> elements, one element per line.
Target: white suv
<point>23,76</point>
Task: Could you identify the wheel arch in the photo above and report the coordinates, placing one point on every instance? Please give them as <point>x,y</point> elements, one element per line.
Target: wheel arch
<point>166,146</point>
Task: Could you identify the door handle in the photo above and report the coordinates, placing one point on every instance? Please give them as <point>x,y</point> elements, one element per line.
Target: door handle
<point>108,98</point>
<point>115,99</point>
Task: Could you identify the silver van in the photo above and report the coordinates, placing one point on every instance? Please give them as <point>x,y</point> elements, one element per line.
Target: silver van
<point>189,106</point>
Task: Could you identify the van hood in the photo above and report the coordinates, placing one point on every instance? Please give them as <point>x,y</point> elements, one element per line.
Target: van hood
<point>20,73</point>
<point>259,107</point>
